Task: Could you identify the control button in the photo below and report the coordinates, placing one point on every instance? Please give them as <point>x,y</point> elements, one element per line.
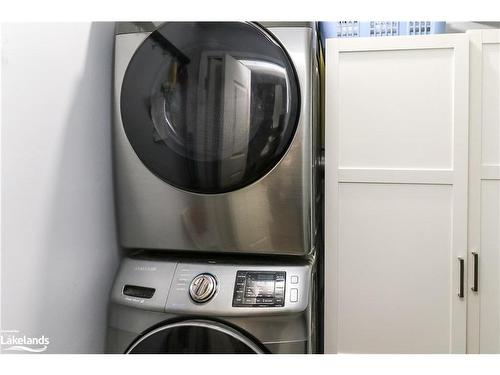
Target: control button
<point>295,280</point>
<point>267,300</point>
<point>278,301</point>
<point>240,287</point>
<point>249,301</point>
<point>238,295</point>
<point>294,295</point>
<point>249,293</point>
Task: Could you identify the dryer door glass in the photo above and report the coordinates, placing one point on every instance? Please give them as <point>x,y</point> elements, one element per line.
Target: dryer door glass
<point>195,337</point>
<point>210,107</point>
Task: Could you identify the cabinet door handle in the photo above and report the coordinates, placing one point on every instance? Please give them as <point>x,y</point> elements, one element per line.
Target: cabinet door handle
<point>475,286</point>
<point>461,282</point>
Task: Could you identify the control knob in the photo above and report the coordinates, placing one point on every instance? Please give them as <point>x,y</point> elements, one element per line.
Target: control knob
<point>203,288</point>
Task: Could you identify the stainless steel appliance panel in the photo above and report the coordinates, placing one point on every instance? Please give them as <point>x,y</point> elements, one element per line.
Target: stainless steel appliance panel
<point>272,215</point>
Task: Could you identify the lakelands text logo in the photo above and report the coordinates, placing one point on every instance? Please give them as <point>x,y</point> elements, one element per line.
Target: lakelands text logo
<point>13,340</point>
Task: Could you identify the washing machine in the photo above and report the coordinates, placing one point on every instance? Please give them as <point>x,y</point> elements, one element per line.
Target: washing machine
<point>187,305</point>
<point>216,136</point>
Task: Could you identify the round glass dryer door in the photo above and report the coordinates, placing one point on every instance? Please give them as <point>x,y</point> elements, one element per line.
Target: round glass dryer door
<point>210,107</point>
<point>195,337</point>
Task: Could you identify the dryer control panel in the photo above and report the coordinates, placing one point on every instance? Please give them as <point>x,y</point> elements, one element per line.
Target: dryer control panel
<point>259,289</point>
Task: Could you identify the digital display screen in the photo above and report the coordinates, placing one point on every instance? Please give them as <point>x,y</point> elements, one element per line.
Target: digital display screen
<point>260,286</point>
<point>259,289</point>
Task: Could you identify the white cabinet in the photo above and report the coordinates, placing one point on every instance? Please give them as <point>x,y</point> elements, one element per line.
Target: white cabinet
<point>396,194</point>
<point>411,197</point>
<point>483,323</point>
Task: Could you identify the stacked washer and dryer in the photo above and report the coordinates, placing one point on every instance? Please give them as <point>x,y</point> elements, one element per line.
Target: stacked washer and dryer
<point>216,152</point>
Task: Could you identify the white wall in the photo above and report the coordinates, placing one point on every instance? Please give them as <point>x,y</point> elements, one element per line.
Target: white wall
<point>59,250</point>
<point>462,27</point>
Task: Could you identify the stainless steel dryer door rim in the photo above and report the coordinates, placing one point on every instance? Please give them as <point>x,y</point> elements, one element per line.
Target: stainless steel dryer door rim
<point>206,119</point>
<point>216,326</point>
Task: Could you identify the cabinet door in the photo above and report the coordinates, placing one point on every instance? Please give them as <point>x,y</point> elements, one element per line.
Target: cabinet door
<point>396,194</point>
<point>483,321</point>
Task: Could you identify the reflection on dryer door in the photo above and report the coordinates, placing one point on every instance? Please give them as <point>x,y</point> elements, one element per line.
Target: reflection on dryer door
<point>236,120</point>
<point>209,99</point>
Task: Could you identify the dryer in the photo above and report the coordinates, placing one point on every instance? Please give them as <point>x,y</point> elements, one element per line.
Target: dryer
<point>186,305</point>
<point>216,136</point>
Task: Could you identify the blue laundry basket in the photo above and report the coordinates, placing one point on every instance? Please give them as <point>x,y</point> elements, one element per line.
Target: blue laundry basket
<point>355,29</point>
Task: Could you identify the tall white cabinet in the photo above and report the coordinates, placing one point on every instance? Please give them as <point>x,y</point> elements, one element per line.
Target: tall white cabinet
<point>484,193</point>
<point>397,260</point>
